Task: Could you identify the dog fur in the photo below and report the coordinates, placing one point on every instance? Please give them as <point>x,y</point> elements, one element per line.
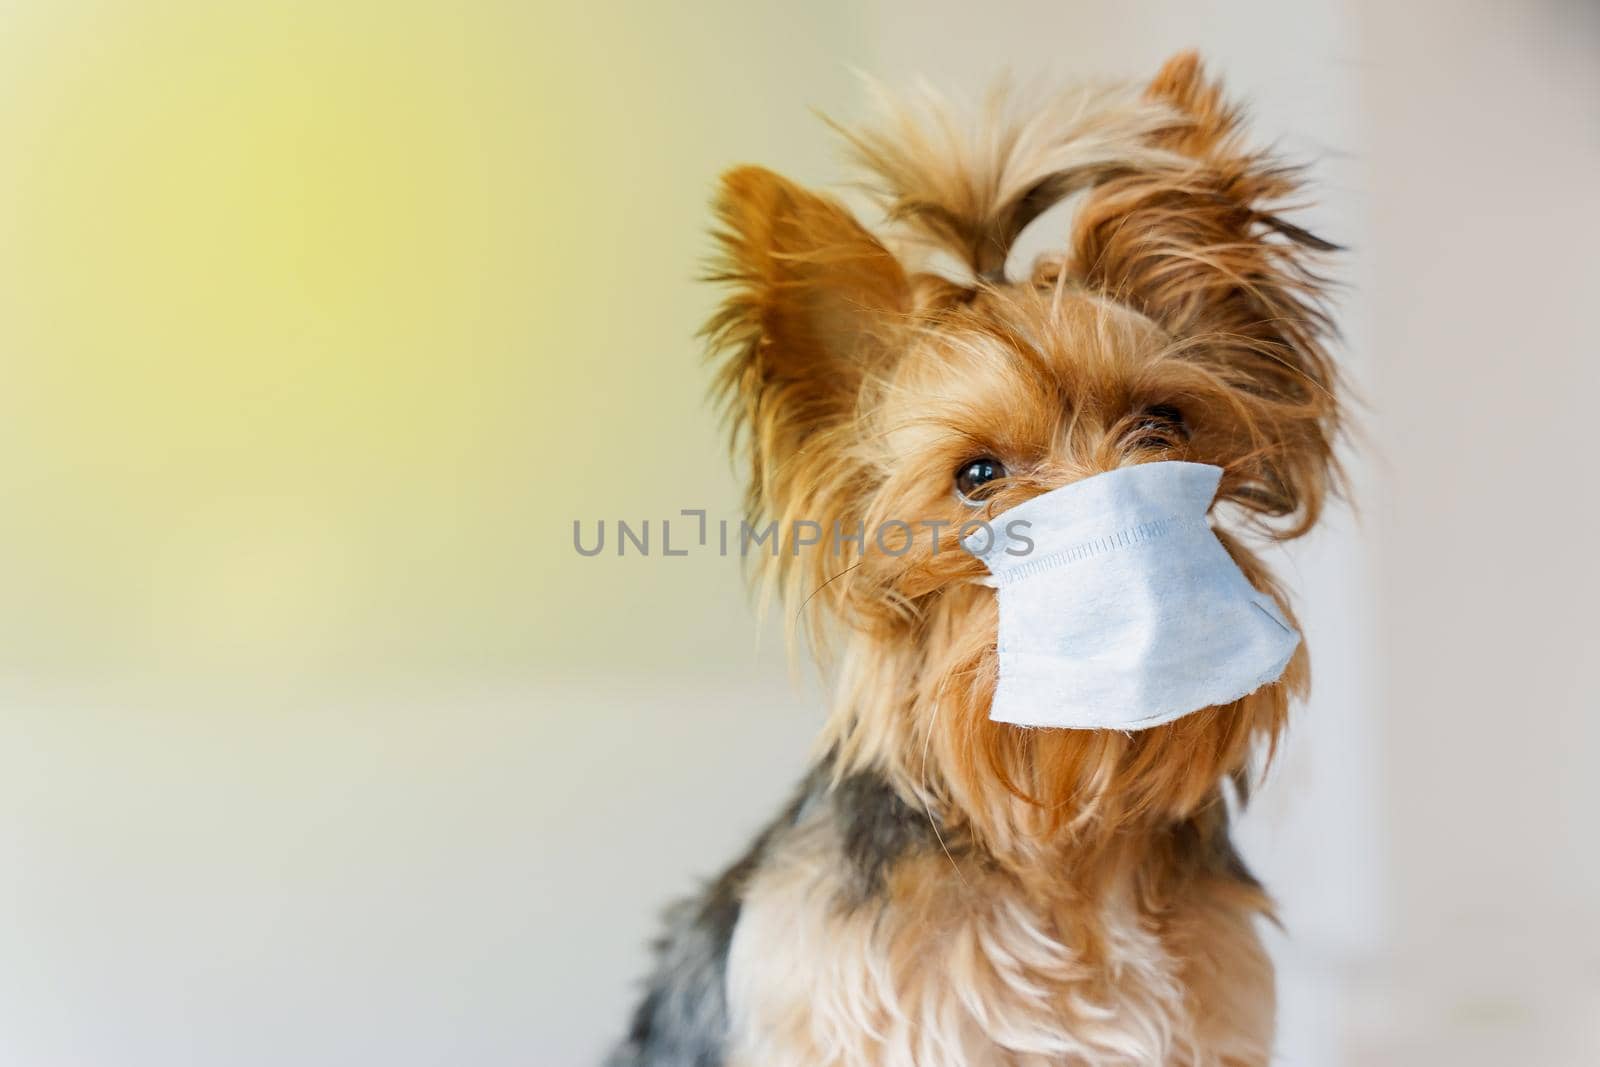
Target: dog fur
<point>943,889</point>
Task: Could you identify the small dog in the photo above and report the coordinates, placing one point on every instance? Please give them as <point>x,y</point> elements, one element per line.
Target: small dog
<point>944,889</point>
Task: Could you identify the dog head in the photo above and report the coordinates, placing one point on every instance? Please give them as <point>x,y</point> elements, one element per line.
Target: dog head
<point>890,387</point>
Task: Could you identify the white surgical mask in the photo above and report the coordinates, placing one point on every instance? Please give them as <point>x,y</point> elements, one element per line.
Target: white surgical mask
<point>1128,612</point>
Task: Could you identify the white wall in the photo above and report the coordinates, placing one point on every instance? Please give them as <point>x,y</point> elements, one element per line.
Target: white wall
<point>1484,124</point>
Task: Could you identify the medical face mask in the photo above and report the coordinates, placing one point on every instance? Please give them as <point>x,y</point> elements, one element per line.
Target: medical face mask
<point>1127,612</point>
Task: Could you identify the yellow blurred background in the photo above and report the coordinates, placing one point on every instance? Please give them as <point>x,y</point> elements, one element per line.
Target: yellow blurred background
<point>320,324</point>
<point>323,321</point>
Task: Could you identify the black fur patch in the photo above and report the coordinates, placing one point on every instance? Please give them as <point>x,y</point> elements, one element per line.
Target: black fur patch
<point>1204,844</point>
<point>683,1019</point>
<point>878,828</point>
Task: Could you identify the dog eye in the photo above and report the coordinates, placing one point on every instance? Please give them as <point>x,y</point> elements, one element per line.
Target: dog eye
<point>974,475</point>
<point>1162,424</point>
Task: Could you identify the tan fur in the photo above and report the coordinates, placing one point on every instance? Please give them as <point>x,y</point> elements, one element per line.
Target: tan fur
<point>967,965</point>
<point>969,186</point>
<point>1089,910</point>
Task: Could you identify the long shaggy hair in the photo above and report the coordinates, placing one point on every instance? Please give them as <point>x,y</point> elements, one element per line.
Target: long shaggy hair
<point>947,889</point>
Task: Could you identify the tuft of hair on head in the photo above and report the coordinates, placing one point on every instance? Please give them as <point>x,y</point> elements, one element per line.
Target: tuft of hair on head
<point>964,182</point>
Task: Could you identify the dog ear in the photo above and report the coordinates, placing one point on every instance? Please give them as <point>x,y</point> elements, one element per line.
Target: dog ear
<point>1198,244</point>
<point>814,303</point>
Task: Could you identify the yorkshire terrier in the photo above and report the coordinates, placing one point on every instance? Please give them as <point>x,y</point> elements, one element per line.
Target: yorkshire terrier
<point>944,889</point>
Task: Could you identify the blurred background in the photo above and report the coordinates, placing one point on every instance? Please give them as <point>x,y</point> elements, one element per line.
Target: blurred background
<point>321,324</point>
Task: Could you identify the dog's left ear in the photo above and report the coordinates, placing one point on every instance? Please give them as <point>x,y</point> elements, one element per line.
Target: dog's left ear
<point>813,305</point>
<point>1197,244</point>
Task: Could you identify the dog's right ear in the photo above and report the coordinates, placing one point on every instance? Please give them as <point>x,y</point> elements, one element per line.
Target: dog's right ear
<point>1200,244</point>
<point>815,306</point>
